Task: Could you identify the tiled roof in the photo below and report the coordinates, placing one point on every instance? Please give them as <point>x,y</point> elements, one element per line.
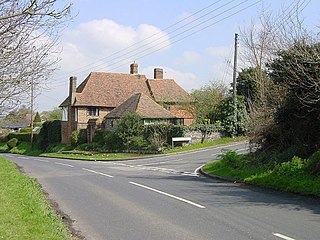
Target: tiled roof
<point>108,89</point>
<point>103,89</point>
<point>143,105</point>
<point>167,90</point>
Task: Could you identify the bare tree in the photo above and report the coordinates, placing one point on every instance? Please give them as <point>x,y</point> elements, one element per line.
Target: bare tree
<point>29,33</point>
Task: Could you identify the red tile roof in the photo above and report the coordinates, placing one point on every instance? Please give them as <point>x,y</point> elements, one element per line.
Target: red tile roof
<point>167,90</point>
<point>143,105</point>
<point>103,89</point>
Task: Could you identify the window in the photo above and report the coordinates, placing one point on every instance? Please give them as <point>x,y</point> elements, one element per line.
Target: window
<point>181,121</point>
<point>64,114</point>
<point>92,111</point>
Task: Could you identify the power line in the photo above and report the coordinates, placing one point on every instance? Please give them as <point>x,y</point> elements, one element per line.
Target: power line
<point>185,31</point>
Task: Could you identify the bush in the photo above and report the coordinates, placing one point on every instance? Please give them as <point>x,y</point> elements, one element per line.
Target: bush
<point>50,133</point>
<point>12,143</point>
<point>112,141</point>
<point>89,147</point>
<point>23,137</point>
<point>291,168</point>
<point>25,130</point>
<point>98,137</point>
<point>233,160</point>
<point>313,164</point>
<point>79,137</point>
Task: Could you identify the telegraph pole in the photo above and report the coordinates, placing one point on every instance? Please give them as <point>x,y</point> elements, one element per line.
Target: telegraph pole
<point>234,92</point>
<point>31,109</point>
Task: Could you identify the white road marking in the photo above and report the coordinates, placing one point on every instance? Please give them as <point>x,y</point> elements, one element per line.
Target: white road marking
<point>63,164</point>
<point>156,163</point>
<point>23,157</point>
<point>282,236</point>
<point>40,160</point>
<point>197,170</point>
<point>100,173</point>
<point>168,195</point>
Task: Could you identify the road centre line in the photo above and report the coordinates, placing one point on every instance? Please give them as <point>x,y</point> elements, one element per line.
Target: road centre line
<point>63,164</point>
<point>282,236</point>
<point>168,195</point>
<point>100,173</point>
<point>40,160</point>
<point>156,163</point>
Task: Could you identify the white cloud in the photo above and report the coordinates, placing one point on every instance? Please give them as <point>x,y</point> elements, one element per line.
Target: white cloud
<point>186,80</point>
<point>188,58</point>
<point>219,52</point>
<point>110,43</point>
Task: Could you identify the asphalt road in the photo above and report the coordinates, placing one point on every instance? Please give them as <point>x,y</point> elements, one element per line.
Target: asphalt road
<point>164,198</point>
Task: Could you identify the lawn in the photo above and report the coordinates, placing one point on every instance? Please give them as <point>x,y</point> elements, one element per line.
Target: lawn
<point>24,211</point>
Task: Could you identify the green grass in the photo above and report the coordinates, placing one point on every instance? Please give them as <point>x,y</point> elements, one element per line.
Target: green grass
<point>196,146</point>
<point>24,211</point>
<point>290,176</point>
<point>91,156</point>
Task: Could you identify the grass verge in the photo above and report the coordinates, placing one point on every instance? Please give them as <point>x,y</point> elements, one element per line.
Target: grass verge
<point>196,146</point>
<point>24,211</point>
<point>290,176</point>
<point>92,156</point>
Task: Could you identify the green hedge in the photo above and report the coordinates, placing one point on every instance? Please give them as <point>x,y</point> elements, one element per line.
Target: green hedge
<point>50,133</point>
<point>23,137</point>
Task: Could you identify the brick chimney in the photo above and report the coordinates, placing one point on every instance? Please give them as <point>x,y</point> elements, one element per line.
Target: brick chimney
<point>134,68</point>
<point>158,73</point>
<point>72,89</point>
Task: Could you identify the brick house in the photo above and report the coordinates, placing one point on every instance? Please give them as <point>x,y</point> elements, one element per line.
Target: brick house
<point>88,104</point>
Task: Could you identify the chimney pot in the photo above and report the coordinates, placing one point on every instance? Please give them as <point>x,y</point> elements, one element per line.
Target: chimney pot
<point>133,68</point>
<point>158,73</point>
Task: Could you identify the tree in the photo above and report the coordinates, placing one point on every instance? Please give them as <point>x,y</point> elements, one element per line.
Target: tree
<point>29,31</point>
<point>37,118</point>
<point>231,125</point>
<point>208,99</point>
<point>128,128</point>
<point>297,119</point>
<point>55,114</point>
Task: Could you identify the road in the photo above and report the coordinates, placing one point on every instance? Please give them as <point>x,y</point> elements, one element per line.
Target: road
<point>164,198</point>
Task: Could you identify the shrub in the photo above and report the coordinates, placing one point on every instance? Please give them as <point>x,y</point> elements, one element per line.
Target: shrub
<point>79,137</point>
<point>233,160</point>
<point>23,137</point>
<point>98,137</point>
<point>129,127</point>
<point>12,143</point>
<point>291,168</point>
<point>89,147</point>
<point>50,133</point>
<point>25,130</point>
<point>112,141</point>
<point>313,164</point>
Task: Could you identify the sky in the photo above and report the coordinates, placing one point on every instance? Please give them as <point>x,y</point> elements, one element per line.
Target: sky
<point>191,40</point>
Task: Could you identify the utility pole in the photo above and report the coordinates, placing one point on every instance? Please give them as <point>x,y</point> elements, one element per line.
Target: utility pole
<point>31,109</point>
<point>234,92</point>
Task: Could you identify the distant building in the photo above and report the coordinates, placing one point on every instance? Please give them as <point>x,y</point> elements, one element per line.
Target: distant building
<point>103,97</point>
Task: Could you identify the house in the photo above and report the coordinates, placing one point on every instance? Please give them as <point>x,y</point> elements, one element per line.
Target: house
<point>141,104</point>
<point>88,104</point>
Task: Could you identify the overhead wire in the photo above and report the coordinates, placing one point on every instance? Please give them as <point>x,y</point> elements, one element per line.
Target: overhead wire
<point>183,32</point>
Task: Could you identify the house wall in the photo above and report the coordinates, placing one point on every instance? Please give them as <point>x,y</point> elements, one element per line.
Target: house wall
<point>83,118</point>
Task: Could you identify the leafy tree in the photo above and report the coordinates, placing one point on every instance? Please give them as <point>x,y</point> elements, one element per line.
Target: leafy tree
<point>233,126</point>
<point>128,128</point>
<point>54,114</point>
<point>252,84</point>
<point>297,119</point>
<point>37,118</point>
<point>208,99</point>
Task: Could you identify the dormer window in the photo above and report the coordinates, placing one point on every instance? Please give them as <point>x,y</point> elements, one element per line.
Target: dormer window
<point>93,111</point>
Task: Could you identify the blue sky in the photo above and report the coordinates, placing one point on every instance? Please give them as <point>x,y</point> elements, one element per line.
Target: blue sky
<point>101,33</point>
